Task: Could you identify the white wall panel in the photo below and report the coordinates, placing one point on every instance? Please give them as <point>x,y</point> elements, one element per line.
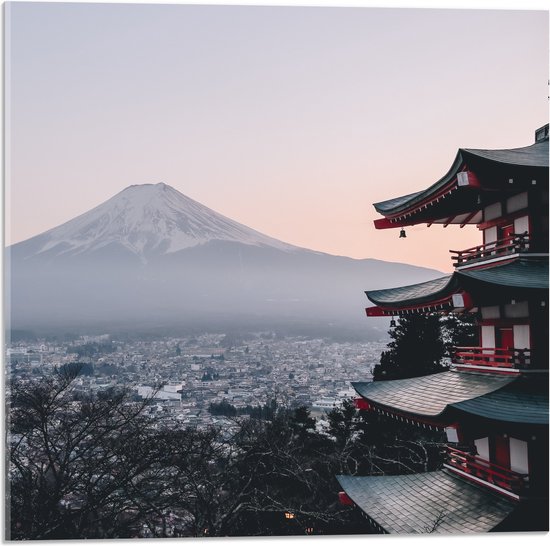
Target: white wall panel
<point>519,456</point>
<point>482,446</point>
<point>493,211</point>
<point>521,225</point>
<point>516,310</point>
<point>521,336</point>
<point>492,312</point>
<point>517,202</point>
<point>488,336</point>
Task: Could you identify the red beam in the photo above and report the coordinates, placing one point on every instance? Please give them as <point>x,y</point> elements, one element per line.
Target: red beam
<point>361,404</point>
<point>376,312</point>
<point>432,306</point>
<point>344,499</point>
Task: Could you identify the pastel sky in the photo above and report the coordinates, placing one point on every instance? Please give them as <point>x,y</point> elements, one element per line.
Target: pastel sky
<point>290,120</point>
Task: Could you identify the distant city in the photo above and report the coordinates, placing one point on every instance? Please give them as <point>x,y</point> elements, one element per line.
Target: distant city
<point>184,377</point>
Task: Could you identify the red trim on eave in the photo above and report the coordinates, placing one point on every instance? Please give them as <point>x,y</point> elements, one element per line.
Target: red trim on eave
<point>385,223</point>
<point>345,499</point>
<point>368,405</point>
<point>377,311</point>
<point>404,218</point>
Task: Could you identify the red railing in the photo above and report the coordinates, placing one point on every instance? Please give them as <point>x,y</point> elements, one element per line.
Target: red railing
<point>486,471</point>
<point>508,245</point>
<point>494,357</point>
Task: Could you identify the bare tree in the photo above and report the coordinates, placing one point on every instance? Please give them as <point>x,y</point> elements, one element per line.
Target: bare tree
<point>72,461</point>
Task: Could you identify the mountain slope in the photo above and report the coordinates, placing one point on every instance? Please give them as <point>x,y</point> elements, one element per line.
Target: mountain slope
<point>151,256</point>
<point>146,220</point>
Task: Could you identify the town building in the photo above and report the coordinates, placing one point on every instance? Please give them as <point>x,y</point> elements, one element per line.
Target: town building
<point>492,402</point>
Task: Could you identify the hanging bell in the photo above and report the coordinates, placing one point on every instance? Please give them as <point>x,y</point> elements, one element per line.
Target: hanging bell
<point>402,234</point>
<point>392,323</point>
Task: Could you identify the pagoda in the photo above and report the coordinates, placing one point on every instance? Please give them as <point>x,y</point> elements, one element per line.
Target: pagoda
<point>492,401</point>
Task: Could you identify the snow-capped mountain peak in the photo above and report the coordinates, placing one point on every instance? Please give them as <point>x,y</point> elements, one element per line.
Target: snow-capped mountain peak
<point>150,218</point>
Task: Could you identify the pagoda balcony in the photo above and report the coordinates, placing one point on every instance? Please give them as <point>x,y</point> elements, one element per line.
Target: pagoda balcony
<point>493,358</point>
<point>487,473</point>
<point>513,244</point>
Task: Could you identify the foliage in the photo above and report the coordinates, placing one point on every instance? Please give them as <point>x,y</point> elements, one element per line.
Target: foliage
<point>420,344</point>
<point>416,349</point>
<point>459,331</point>
<point>73,464</point>
<point>97,468</point>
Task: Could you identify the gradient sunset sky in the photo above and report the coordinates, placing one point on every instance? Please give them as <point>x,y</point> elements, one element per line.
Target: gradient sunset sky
<point>291,120</point>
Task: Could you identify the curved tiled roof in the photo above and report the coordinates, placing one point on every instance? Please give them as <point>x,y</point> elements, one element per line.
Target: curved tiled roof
<point>431,502</point>
<point>509,405</point>
<point>533,156</point>
<point>522,273</point>
<point>412,293</point>
<point>401,203</point>
<point>430,395</point>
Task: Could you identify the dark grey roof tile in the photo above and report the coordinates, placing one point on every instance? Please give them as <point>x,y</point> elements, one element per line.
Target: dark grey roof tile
<point>535,155</point>
<point>463,507</point>
<point>430,395</point>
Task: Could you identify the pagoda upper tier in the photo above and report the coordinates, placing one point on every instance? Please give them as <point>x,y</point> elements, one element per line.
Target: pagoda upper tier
<point>476,180</point>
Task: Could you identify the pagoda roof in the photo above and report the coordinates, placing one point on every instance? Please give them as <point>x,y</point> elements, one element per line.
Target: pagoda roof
<point>523,273</point>
<point>430,395</point>
<point>433,203</point>
<point>413,293</point>
<point>431,502</point>
<point>535,155</point>
<point>519,276</point>
<point>510,404</point>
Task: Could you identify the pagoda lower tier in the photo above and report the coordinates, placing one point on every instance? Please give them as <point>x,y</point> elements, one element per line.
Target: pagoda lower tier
<point>496,460</point>
<point>438,502</point>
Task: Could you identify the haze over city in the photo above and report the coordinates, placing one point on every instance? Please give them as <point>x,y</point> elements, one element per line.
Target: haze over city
<point>291,121</point>
<point>206,336</point>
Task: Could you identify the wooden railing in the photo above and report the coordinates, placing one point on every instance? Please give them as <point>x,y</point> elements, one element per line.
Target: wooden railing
<point>509,245</point>
<point>487,471</point>
<point>494,357</point>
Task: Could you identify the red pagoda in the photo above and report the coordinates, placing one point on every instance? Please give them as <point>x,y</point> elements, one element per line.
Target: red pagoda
<point>492,402</point>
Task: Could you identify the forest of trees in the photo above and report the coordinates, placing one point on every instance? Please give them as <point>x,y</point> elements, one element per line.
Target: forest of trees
<point>98,468</point>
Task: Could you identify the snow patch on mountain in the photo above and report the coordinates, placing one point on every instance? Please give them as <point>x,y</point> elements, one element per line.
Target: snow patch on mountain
<point>151,218</point>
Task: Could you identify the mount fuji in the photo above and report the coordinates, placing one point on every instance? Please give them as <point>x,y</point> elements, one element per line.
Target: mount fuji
<point>147,221</point>
<point>152,257</point>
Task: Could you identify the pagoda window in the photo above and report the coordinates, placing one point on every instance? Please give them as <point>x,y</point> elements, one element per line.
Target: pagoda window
<point>492,312</point>
<point>521,337</point>
<point>519,456</point>
<point>492,211</point>
<point>490,235</point>
<point>482,448</point>
<point>521,225</point>
<point>519,309</point>
<point>517,202</point>
<point>488,336</point>
<point>452,434</point>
